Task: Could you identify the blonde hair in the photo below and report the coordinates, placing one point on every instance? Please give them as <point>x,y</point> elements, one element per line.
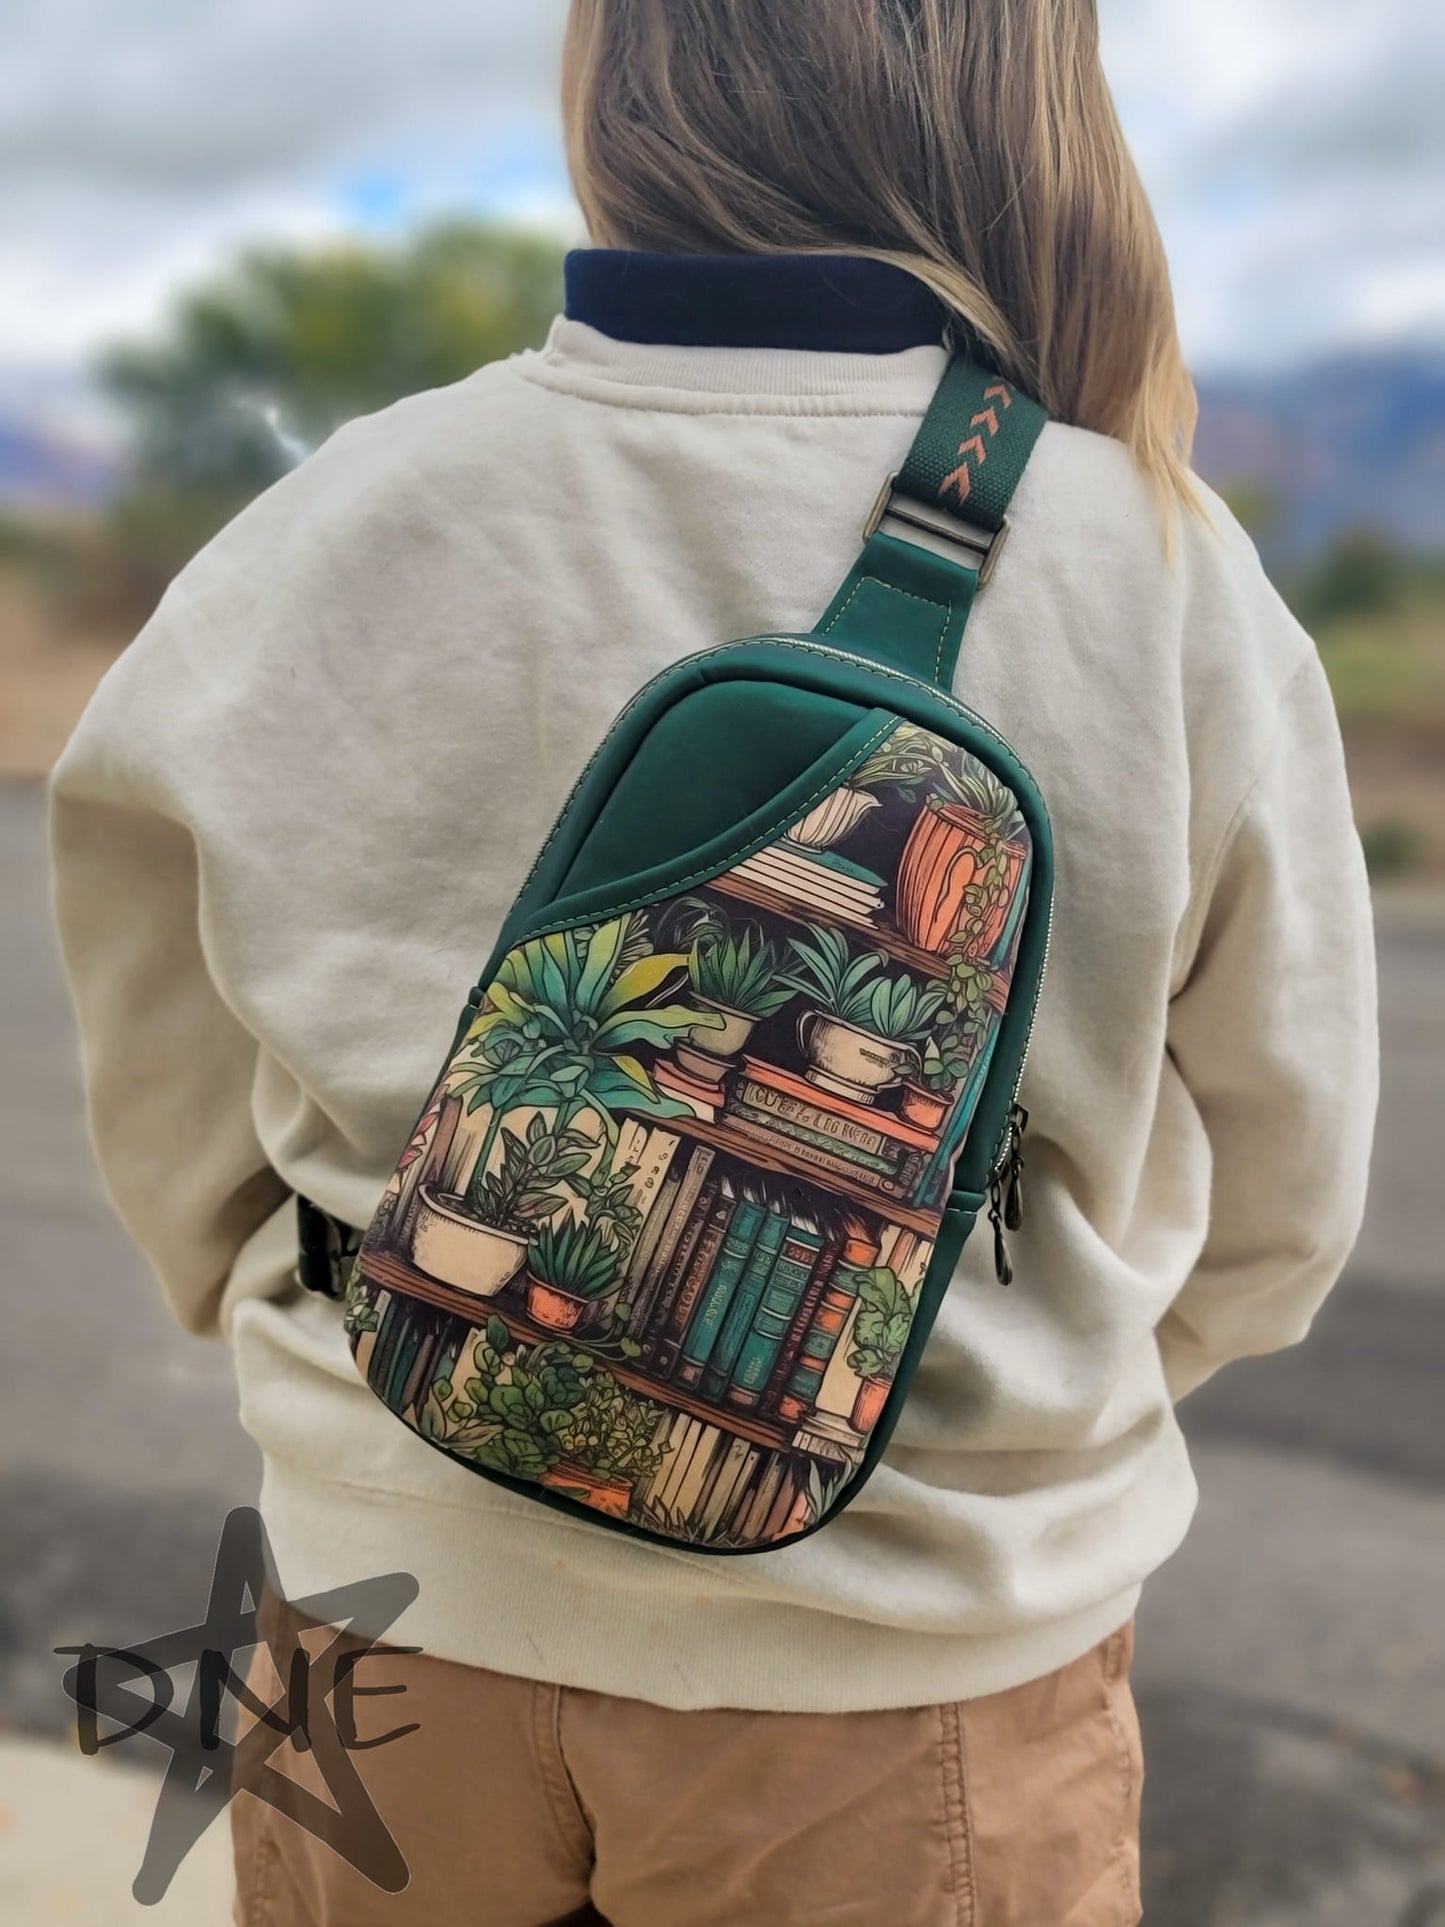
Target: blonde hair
<point>975,146</point>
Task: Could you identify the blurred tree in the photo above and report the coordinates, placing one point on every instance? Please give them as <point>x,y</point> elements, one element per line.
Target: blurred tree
<point>1255,505</point>
<point>1359,574</point>
<point>259,366</point>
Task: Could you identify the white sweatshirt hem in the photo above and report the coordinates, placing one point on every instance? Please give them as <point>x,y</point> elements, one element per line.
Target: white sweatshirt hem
<point>497,1584</point>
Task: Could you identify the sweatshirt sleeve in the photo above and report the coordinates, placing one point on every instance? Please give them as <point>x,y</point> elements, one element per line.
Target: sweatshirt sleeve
<point>1274,1033</point>
<point>168,1066</point>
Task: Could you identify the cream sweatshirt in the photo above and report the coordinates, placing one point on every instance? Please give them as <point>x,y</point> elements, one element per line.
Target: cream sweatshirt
<point>293,817</point>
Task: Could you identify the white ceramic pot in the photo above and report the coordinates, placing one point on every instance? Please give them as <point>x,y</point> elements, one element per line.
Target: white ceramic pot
<point>856,1063</point>
<point>455,1249</point>
<point>830,821</point>
<point>711,1042</point>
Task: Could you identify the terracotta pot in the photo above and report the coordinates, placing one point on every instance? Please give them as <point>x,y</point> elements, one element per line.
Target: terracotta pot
<point>940,860</point>
<point>604,1492</point>
<point>559,1311</point>
<point>868,1405</point>
<point>454,1248</point>
<point>923,1107</point>
<point>854,1062</point>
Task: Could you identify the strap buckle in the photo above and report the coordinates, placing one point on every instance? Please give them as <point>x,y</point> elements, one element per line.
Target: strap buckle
<point>982,546</point>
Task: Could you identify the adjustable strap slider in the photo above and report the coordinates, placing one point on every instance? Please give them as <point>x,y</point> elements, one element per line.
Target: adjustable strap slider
<point>982,546</point>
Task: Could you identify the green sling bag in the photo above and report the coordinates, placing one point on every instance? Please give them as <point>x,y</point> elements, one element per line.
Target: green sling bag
<point>667,1241</point>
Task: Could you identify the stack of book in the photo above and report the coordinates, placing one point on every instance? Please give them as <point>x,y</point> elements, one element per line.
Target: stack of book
<point>816,880</point>
<point>829,1132</point>
<point>730,1289</point>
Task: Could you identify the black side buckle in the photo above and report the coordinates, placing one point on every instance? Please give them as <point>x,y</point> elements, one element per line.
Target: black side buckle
<point>326,1249</point>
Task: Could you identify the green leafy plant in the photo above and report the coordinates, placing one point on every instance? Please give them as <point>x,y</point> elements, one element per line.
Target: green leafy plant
<point>614,1434</point>
<point>609,1205</point>
<point>525,1188</point>
<point>880,1330</point>
<point>575,1258</point>
<point>964,1020</point>
<point>727,964</point>
<point>911,757</point>
<point>577,1002</point>
<point>509,1414</point>
<point>839,983</point>
<point>852,989</point>
<point>361,1314</point>
<point>902,1010</point>
<point>944,1066</point>
<point>739,970</point>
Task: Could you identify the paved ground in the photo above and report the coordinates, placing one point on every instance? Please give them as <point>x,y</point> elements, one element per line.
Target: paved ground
<point>1291,1659</point>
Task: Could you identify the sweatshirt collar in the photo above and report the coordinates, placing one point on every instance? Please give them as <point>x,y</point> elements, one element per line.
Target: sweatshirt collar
<point>841,303</point>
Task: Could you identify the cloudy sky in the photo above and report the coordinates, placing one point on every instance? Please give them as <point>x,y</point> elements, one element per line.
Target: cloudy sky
<point>1295,150</point>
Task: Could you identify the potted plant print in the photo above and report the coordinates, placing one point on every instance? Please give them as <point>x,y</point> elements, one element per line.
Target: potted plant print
<point>477,1241</point>
<point>961,866</point>
<point>834,818</point>
<point>610,1206</point>
<point>570,1268</point>
<point>866,1026</point>
<point>880,1332</point>
<point>580,1002</point>
<point>609,1448</point>
<point>966,1016</point>
<point>926,1098</point>
<point>966,851</point>
<point>512,1407</point>
<point>734,978</point>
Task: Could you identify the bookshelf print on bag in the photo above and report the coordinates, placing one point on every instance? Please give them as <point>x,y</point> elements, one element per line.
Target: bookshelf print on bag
<point>657,1239</point>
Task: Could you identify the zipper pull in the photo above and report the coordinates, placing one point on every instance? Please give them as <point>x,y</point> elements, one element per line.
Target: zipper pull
<point>1003,1270</point>
<point>1013,1208</point>
<point>1006,1192</point>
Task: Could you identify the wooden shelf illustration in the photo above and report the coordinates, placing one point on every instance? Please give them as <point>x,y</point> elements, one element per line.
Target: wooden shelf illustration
<point>927,962</point>
<point>774,1157</point>
<point>395,1274</point>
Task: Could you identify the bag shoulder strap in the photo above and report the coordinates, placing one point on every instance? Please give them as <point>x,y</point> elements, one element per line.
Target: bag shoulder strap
<point>937,527</point>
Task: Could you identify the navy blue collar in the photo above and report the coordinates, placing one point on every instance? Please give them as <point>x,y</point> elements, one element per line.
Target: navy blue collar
<point>845,303</point>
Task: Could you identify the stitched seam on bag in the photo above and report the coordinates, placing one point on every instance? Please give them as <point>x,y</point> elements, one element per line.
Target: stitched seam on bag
<point>723,649</point>
<point>957,1830</point>
<point>719,864</point>
<point>888,589</point>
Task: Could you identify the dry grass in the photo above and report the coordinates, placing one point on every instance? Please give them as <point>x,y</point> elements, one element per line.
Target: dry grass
<point>49,665</point>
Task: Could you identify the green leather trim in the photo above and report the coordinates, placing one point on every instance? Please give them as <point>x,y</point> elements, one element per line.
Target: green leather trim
<point>906,604</point>
<point>702,771</point>
<point>905,607</point>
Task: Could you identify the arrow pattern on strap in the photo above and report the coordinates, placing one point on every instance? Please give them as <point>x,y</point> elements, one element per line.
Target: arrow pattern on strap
<point>961,478</point>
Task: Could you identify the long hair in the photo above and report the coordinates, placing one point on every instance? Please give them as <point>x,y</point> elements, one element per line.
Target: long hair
<point>972,142</point>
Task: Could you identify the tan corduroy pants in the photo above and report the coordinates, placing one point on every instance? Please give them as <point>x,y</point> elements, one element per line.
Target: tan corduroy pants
<point>516,1804</point>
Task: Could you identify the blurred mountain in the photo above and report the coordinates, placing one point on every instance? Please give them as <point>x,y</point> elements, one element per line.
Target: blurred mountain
<point>45,467</point>
<point>1355,442</point>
